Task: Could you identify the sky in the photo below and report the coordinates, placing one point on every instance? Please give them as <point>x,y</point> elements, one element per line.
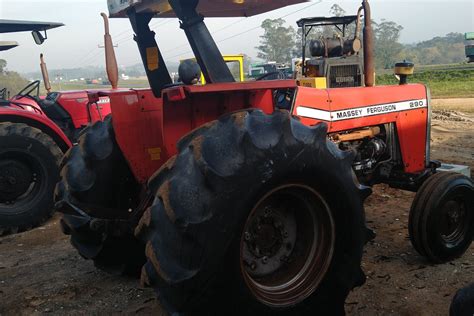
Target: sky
<point>76,44</point>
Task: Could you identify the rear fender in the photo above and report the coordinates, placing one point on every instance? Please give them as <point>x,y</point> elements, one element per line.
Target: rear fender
<point>37,120</point>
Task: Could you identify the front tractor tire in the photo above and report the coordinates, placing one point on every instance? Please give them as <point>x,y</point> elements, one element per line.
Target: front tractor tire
<point>256,214</point>
<point>96,178</point>
<point>441,221</point>
<point>29,170</point>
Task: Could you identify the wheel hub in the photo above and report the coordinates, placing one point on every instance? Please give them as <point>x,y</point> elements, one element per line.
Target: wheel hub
<point>15,179</point>
<point>454,222</point>
<point>287,245</point>
<point>269,241</point>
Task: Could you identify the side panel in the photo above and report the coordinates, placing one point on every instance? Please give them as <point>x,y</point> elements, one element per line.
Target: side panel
<point>181,117</point>
<point>351,108</point>
<point>148,129</point>
<point>137,118</point>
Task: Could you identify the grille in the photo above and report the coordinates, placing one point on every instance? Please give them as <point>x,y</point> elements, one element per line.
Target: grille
<point>344,76</point>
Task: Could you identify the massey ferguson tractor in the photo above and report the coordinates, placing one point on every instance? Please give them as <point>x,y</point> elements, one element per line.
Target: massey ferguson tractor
<point>35,132</point>
<point>248,197</point>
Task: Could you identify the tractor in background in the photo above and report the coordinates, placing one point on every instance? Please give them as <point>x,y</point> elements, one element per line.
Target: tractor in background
<point>35,132</point>
<point>248,197</point>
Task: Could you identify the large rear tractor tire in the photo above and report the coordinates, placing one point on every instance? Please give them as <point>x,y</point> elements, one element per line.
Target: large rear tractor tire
<point>29,170</point>
<point>256,214</point>
<point>96,178</point>
<point>441,222</point>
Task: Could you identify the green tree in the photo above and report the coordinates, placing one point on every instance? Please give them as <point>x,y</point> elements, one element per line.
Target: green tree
<point>387,46</point>
<point>3,65</point>
<point>438,50</point>
<point>277,42</point>
<point>10,79</point>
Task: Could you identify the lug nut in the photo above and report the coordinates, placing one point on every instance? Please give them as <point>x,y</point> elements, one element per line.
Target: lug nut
<point>247,236</point>
<point>264,259</point>
<point>253,265</point>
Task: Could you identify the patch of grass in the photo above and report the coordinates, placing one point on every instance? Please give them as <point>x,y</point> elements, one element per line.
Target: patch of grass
<point>455,83</point>
<point>451,89</point>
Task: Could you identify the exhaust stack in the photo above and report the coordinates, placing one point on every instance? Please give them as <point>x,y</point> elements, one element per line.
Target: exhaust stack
<point>44,72</point>
<point>110,60</point>
<point>358,26</point>
<point>369,67</point>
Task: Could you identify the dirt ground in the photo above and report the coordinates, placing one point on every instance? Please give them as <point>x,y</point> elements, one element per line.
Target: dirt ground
<point>41,273</point>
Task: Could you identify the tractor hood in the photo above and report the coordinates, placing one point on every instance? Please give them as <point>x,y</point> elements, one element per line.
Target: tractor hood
<point>208,8</point>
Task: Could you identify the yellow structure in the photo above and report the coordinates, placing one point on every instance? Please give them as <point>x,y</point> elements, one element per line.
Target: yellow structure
<point>310,78</point>
<point>313,82</point>
<point>237,72</point>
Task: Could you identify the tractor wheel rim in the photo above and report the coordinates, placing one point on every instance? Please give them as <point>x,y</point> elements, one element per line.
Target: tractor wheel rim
<point>455,222</point>
<point>21,179</point>
<point>287,245</point>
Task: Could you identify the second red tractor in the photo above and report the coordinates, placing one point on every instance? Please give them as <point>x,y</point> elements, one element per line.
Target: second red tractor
<point>35,132</point>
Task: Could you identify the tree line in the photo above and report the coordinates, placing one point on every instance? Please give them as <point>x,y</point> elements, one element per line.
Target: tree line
<point>10,80</point>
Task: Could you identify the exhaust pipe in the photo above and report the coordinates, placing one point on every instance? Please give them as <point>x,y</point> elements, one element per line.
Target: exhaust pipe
<point>44,72</point>
<point>110,60</point>
<point>358,26</point>
<point>369,67</point>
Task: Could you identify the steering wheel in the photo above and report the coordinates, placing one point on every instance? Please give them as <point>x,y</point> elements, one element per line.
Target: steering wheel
<point>26,91</point>
<point>274,75</point>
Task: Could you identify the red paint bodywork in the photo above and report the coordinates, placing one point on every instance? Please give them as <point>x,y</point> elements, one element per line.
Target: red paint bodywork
<point>76,103</point>
<point>34,117</point>
<point>147,129</point>
<point>411,125</point>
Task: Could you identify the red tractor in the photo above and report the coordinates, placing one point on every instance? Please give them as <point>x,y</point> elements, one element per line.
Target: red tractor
<point>35,132</point>
<point>247,197</point>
